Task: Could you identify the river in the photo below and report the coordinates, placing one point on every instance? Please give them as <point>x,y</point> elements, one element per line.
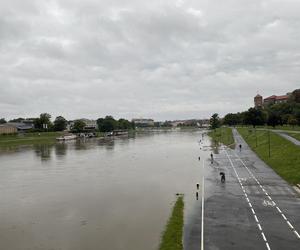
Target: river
<point>96,194</point>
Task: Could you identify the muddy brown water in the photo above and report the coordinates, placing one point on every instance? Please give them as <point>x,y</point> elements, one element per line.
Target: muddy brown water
<point>97,194</point>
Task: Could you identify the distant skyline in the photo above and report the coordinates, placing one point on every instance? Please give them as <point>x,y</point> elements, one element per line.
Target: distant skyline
<point>165,60</point>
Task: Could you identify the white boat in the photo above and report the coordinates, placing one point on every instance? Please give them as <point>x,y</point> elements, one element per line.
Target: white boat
<point>66,137</point>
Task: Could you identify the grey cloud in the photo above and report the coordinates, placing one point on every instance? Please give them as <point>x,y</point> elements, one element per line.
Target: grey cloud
<point>164,59</point>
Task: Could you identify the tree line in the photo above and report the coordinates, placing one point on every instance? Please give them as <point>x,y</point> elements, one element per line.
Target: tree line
<point>44,123</point>
<point>287,113</point>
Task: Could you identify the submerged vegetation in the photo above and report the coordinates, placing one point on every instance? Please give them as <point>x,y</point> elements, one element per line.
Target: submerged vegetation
<point>222,135</point>
<point>172,236</point>
<point>284,156</point>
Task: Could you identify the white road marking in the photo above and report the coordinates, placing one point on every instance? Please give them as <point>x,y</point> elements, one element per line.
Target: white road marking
<point>297,234</point>
<point>202,212</point>
<point>253,211</point>
<point>269,197</point>
<point>264,237</point>
<point>291,226</point>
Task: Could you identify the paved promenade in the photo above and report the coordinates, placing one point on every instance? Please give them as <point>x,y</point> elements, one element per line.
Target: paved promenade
<point>253,209</point>
<point>288,137</point>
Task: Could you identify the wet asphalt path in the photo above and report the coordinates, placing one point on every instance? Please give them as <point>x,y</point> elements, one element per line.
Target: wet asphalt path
<point>253,209</point>
<point>288,137</point>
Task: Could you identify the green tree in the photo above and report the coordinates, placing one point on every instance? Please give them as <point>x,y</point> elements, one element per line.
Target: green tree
<point>20,119</point>
<point>231,119</point>
<point>167,124</point>
<point>215,121</point>
<point>2,121</point>
<point>78,126</point>
<point>297,115</point>
<point>43,122</point>
<point>108,124</point>
<point>254,117</point>
<point>124,124</point>
<point>292,121</point>
<point>45,118</point>
<point>100,123</point>
<point>295,97</point>
<point>274,119</point>
<point>60,123</point>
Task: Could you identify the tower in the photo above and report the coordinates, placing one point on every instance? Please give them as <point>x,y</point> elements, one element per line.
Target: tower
<point>258,101</point>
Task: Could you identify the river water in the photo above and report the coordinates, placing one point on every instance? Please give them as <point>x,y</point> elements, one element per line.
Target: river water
<point>95,194</point>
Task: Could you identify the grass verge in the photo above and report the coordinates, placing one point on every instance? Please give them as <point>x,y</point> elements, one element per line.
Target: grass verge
<point>28,138</point>
<point>285,156</point>
<point>222,135</point>
<point>295,135</point>
<point>284,127</point>
<point>172,236</point>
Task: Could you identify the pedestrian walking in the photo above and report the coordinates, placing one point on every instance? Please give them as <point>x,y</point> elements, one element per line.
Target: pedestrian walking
<point>222,177</point>
<point>212,158</point>
<point>240,146</point>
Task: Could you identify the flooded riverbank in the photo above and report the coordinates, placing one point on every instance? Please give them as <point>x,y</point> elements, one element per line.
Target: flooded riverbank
<point>96,194</point>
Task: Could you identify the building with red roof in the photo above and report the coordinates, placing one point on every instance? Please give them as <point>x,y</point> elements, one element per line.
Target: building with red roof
<point>275,99</point>
<point>260,102</point>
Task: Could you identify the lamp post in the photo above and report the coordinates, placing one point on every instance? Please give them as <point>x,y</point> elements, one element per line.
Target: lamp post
<point>269,139</point>
<point>255,137</point>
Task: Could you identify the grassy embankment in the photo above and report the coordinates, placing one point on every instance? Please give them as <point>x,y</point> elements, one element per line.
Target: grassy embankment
<point>295,135</point>
<point>28,138</point>
<point>222,135</point>
<point>285,127</point>
<point>285,156</point>
<point>172,236</point>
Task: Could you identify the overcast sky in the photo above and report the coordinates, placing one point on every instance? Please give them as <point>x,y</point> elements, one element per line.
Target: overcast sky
<point>161,59</point>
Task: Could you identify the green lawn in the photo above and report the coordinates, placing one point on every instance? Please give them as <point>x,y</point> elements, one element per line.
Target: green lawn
<point>296,128</point>
<point>28,138</point>
<point>285,127</point>
<point>295,135</point>
<point>222,135</point>
<point>172,236</point>
<point>285,156</point>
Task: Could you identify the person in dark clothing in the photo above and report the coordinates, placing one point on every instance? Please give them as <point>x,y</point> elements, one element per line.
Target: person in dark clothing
<point>222,177</point>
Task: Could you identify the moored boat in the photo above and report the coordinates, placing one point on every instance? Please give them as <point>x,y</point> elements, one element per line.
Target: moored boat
<point>67,137</point>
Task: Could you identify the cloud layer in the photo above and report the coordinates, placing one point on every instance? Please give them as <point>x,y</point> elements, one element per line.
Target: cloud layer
<point>162,59</point>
